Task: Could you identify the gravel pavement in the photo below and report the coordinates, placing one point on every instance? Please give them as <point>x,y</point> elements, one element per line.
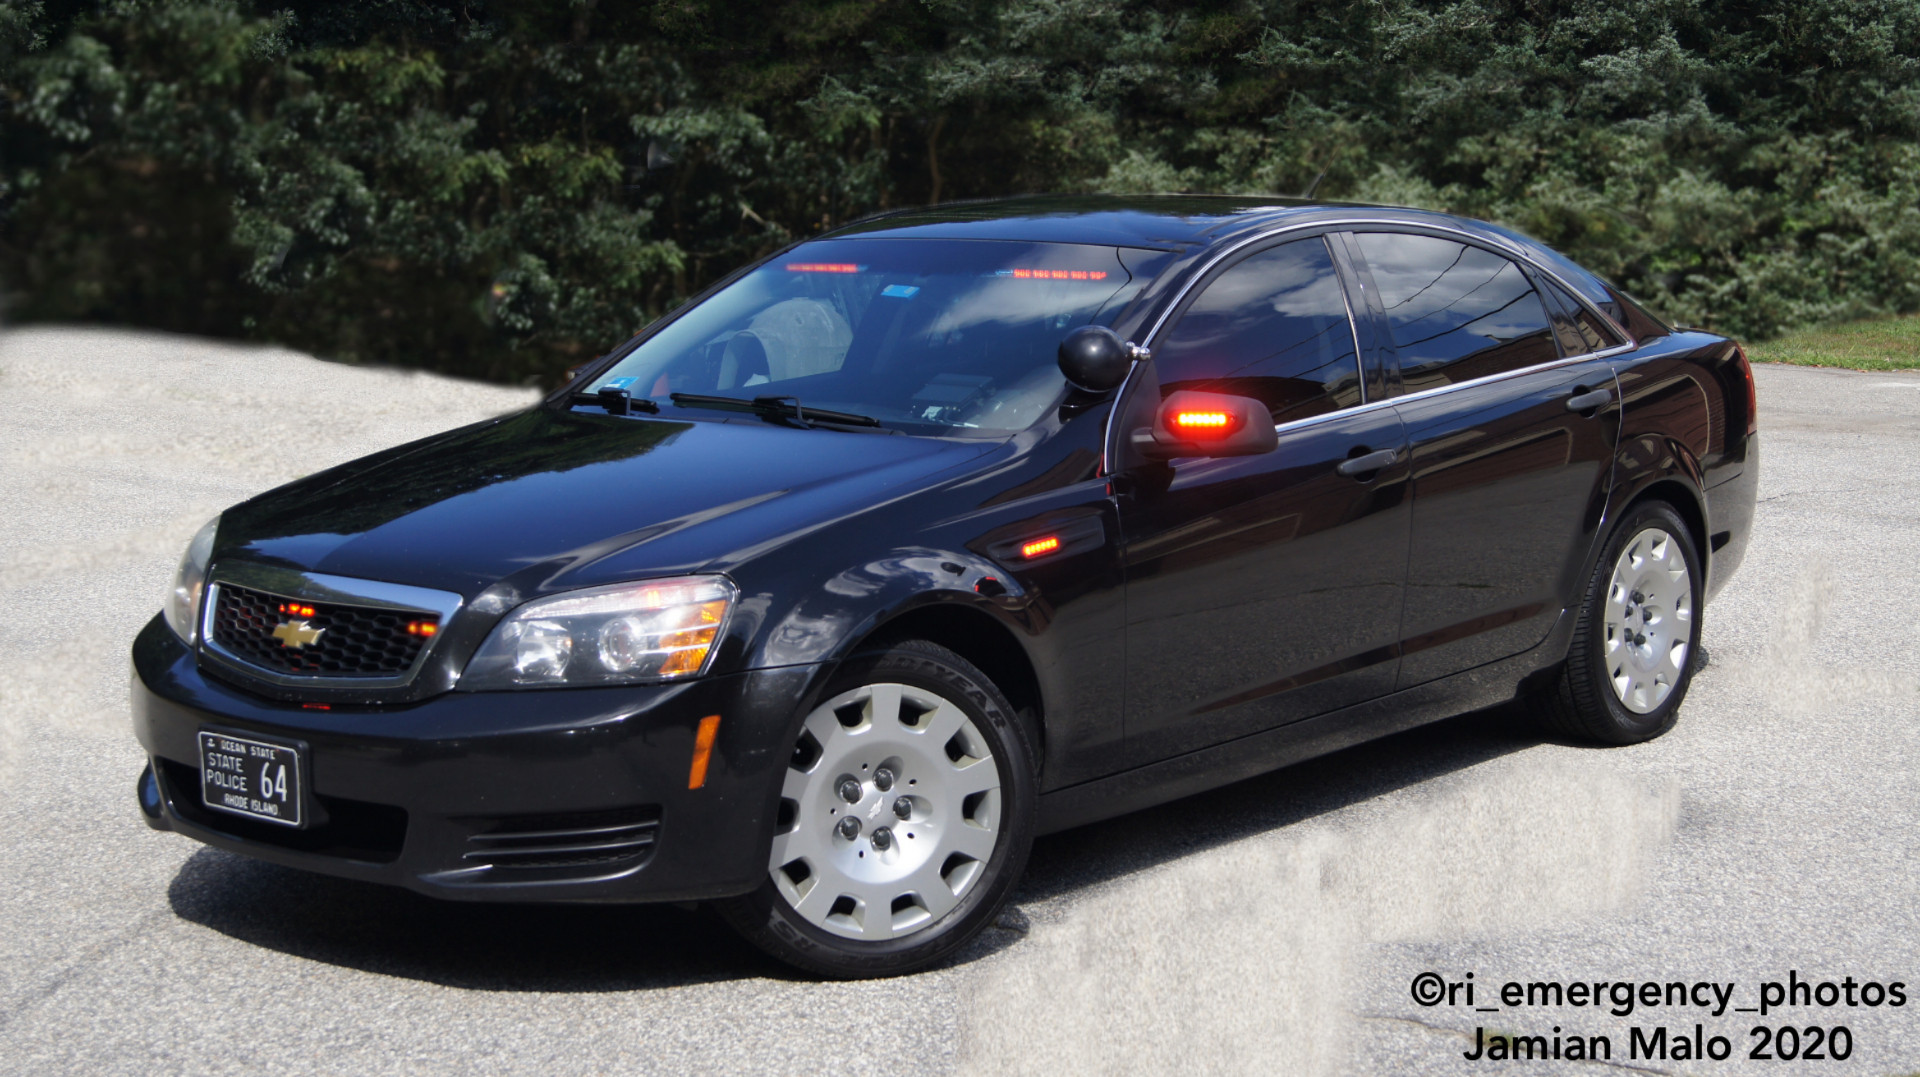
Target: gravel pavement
<point>1276,925</point>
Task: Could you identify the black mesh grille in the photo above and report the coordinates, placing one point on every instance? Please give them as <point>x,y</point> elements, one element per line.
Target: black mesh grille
<point>352,641</point>
<point>572,840</point>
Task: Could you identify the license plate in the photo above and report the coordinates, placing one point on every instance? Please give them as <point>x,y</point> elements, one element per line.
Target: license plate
<point>260,779</point>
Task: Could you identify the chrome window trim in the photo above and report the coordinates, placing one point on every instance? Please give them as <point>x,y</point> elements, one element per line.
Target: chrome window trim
<point>1497,244</point>
<point>318,587</point>
<point>1471,383</point>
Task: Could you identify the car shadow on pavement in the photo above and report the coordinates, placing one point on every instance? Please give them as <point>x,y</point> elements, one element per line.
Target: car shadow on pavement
<point>590,948</point>
<point>1093,854</point>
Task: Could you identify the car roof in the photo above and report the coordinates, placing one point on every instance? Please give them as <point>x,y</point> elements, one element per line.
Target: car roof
<point>1177,222</point>
<point>1187,223</point>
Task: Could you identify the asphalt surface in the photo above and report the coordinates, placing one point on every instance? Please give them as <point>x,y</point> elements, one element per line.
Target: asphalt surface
<point>1278,924</point>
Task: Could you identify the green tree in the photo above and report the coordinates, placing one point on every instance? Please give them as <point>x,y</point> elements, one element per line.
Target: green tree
<point>502,190</point>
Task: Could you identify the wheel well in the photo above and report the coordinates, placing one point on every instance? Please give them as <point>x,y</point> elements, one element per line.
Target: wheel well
<point>1688,507</point>
<point>979,639</point>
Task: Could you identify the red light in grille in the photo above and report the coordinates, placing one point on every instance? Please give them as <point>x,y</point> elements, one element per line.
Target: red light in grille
<point>422,628</point>
<point>295,609</point>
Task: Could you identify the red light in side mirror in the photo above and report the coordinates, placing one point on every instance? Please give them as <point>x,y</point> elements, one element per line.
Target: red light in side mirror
<point>1202,424</point>
<point>1194,423</point>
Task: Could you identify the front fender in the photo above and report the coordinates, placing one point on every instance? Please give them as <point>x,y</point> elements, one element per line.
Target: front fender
<point>825,625</point>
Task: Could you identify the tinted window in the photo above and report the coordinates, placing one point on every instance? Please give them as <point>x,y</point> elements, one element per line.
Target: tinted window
<point>1580,330</point>
<point>1273,327</point>
<point>1457,312</point>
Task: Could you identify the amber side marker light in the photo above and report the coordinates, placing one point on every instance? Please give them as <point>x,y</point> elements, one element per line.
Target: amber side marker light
<point>1040,546</point>
<point>702,750</point>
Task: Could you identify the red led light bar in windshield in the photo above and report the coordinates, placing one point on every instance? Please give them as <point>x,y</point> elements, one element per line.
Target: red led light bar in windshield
<point>1055,274</point>
<point>822,267</point>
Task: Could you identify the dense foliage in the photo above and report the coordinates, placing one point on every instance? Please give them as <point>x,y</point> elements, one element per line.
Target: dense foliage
<point>504,188</point>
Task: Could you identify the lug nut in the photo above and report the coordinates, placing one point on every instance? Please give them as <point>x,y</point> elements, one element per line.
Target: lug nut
<point>849,827</point>
<point>903,807</point>
<point>882,838</point>
<point>883,779</point>
<point>850,791</point>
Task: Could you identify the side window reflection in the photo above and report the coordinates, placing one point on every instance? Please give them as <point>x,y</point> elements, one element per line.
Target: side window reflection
<point>1457,312</point>
<point>1274,327</point>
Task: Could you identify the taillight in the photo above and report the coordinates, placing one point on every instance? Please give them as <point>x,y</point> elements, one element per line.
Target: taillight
<point>1753,400</point>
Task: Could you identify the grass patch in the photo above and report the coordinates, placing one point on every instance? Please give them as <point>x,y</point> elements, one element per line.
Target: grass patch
<point>1876,344</point>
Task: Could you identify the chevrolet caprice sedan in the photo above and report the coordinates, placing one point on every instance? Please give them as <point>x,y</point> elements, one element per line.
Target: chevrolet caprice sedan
<point>824,595</point>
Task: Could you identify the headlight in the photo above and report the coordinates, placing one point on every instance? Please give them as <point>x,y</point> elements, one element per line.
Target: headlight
<point>656,630</point>
<point>182,605</point>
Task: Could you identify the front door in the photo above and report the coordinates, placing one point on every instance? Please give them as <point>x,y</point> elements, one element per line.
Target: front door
<point>1262,590</point>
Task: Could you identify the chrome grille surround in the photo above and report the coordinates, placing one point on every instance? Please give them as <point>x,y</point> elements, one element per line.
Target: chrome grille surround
<point>371,596</point>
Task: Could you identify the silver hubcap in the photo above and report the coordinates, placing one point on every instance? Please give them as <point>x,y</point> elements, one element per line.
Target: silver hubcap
<point>1649,620</point>
<point>890,812</point>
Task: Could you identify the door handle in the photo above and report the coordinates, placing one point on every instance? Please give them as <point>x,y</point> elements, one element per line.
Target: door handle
<point>1372,461</point>
<point>1599,398</point>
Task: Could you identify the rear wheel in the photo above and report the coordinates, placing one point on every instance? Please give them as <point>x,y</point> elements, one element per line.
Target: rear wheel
<point>1637,641</point>
<point>906,814</point>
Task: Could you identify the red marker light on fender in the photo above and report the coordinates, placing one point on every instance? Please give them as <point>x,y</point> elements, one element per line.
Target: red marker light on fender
<point>1040,546</point>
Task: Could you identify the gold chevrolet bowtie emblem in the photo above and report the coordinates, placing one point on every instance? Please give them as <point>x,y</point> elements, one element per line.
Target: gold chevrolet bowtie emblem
<point>296,634</point>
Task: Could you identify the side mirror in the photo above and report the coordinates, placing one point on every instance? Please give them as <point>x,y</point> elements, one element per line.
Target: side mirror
<point>1095,359</point>
<point>1191,423</point>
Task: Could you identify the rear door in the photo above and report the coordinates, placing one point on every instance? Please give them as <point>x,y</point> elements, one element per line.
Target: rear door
<point>1262,589</point>
<point>1512,438</point>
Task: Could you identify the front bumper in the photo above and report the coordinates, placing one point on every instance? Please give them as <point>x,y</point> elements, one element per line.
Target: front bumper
<point>502,796</point>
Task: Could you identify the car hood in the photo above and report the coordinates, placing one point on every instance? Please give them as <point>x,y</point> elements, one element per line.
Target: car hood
<point>548,499</point>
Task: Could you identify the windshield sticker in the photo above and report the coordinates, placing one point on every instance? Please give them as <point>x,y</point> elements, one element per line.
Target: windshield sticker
<point>900,291</point>
<point>617,383</point>
<point>1053,274</point>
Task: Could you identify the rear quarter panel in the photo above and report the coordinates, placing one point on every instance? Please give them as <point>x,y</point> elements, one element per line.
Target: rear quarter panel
<point>1685,423</point>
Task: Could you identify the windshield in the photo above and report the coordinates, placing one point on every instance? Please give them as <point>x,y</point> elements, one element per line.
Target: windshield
<point>942,337</point>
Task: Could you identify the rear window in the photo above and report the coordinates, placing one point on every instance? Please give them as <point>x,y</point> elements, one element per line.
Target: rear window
<point>1457,312</point>
<point>943,337</point>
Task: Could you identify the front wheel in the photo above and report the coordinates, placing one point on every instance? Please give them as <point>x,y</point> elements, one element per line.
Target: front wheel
<point>1637,641</point>
<point>906,813</point>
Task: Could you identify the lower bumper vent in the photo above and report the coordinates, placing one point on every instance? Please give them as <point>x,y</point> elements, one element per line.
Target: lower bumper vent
<point>614,838</point>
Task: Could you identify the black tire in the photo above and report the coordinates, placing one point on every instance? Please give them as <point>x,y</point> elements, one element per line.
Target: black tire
<point>767,919</point>
<point>1582,702</point>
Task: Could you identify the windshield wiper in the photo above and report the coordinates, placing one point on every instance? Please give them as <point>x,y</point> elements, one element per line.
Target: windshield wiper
<point>616,401</point>
<point>777,407</point>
